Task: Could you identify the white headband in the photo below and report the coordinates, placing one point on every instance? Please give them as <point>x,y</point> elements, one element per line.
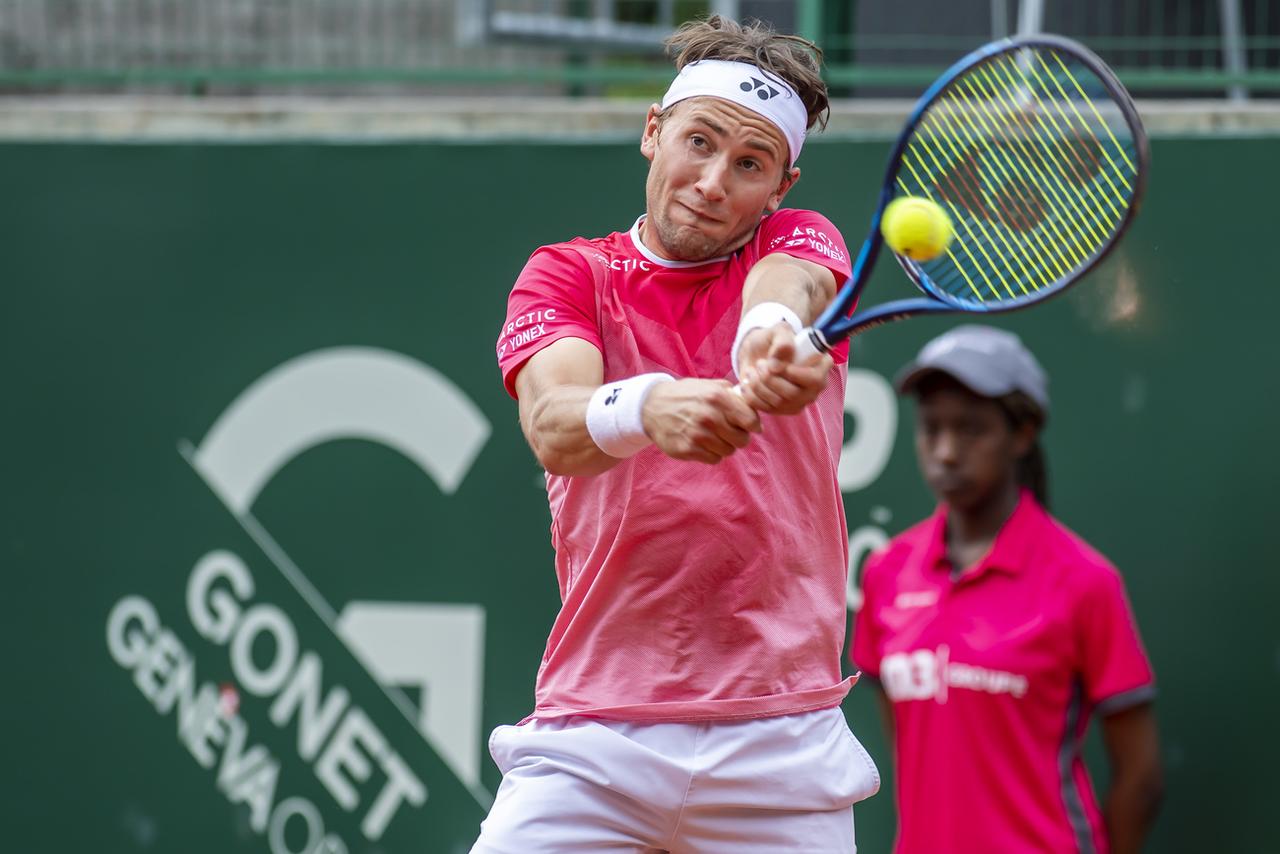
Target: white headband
<point>745,84</point>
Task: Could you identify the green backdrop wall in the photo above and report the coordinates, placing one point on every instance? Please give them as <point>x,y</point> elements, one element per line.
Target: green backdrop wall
<point>277,558</point>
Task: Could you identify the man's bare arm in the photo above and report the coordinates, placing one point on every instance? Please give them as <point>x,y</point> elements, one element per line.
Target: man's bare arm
<point>690,419</point>
<point>772,381</point>
<point>802,286</point>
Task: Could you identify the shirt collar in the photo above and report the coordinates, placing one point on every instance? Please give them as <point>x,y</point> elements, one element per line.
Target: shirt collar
<point>1011,549</point>
<point>634,234</point>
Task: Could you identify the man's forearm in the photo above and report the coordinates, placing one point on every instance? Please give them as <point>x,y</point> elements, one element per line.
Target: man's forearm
<point>801,286</point>
<point>556,428</point>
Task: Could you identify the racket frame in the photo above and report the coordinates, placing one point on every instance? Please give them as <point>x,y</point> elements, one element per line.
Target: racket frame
<point>835,324</point>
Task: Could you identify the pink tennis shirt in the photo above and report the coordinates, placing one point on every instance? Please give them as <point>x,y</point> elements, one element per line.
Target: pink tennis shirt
<point>993,678</point>
<point>690,592</point>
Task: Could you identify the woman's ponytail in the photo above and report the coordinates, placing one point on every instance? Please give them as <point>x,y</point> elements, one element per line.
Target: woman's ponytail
<point>1033,468</point>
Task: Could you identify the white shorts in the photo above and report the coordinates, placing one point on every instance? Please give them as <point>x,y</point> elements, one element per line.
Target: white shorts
<point>769,785</point>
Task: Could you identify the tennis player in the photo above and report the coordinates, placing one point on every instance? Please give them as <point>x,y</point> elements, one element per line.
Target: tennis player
<point>689,696</point>
<point>997,634</point>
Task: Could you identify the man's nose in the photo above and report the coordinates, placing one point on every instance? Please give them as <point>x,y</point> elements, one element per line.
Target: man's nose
<point>713,180</point>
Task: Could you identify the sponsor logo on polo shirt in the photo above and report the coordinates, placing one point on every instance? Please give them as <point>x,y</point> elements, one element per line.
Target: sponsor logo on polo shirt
<point>908,599</point>
<point>524,329</point>
<point>626,265</point>
<point>812,239</point>
<point>929,674</point>
<point>622,265</point>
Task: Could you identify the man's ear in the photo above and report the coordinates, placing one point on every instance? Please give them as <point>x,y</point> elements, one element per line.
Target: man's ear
<point>789,178</point>
<point>649,139</point>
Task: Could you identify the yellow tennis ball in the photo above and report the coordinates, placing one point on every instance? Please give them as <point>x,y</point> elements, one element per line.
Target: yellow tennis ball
<point>915,227</point>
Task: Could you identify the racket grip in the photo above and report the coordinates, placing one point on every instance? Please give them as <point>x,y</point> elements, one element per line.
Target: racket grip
<point>808,341</point>
<point>807,346</point>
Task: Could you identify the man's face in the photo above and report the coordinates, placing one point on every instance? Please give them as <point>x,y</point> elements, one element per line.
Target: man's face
<point>715,168</point>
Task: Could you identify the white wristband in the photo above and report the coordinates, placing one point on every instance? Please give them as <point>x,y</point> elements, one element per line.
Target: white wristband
<point>614,415</point>
<point>762,315</point>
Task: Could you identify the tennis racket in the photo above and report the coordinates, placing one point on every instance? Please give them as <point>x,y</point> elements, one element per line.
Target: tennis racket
<point>1036,152</point>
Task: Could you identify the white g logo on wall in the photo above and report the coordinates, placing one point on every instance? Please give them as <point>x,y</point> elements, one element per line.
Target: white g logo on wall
<point>388,398</point>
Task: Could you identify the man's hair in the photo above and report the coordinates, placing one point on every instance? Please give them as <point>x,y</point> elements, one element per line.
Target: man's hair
<point>794,59</point>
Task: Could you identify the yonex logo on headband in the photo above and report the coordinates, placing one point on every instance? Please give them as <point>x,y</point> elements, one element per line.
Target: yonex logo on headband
<point>763,90</point>
<point>748,86</point>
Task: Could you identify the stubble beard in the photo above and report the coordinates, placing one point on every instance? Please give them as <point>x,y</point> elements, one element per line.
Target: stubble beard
<point>686,243</point>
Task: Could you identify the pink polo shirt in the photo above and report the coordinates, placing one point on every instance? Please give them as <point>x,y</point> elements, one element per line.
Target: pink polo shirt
<point>690,591</point>
<point>993,678</point>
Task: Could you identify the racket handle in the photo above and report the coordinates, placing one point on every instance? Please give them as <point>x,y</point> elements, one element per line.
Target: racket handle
<point>809,343</point>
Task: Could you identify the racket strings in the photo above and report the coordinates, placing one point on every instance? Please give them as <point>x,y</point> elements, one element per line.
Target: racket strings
<point>1015,174</point>
<point>1071,159</point>
<point>1086,213</point>
<point>1039,168</point>
<point>970,240</point>
<point>960,189</point>
<point>1017,210</point>
<point>1101,122</point>
<point>1035,164</point>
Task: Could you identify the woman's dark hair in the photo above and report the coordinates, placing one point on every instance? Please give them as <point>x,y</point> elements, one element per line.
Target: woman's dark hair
<point>1033,469</point>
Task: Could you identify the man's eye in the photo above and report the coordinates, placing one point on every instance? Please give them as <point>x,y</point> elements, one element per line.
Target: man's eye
<point>698,140</point>
<point>750,165</point>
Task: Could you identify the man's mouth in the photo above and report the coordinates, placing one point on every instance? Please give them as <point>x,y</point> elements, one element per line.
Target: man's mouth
<point>702,215</point>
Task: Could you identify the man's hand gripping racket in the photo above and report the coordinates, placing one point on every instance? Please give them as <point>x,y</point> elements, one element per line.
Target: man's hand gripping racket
<point>1035,151</point>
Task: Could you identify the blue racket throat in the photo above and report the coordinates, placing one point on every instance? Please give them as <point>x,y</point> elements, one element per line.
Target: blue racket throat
<point>1035,151</point>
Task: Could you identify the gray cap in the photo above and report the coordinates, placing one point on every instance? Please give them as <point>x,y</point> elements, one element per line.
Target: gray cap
<point>990,361</point>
